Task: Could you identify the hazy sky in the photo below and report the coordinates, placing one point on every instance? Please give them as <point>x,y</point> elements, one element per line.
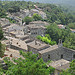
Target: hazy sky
<point>70,2</point>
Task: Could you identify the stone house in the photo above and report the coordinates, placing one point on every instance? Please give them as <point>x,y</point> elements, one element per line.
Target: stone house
<point>4,22</point>
<point>36,46</point>
<point>25,38</point>
<point>18,44</point>
<point>42,23</point>
<point>5,42</point>
<point>13,27</point>
<point>59,66</point>
<point>43,15</point>
<point>32,11</point>
<point>22,37</point>
<point>55,52</point>
<point>24,13</point>
<point>35,30</point>
<point>16,17</point>
<point>38,26</point>
<point>16,33</point>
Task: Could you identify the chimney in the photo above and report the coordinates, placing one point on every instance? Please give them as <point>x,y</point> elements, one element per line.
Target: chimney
<point>35,42</point>
<point>60,43</point>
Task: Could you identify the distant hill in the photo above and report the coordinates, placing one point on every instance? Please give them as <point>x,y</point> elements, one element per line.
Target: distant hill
<point>66,2</point>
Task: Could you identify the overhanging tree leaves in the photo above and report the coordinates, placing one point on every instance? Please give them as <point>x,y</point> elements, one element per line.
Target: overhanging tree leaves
<point>28,66</point>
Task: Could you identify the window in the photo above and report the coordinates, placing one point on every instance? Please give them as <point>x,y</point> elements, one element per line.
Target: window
<point>48,56</point>
<point>36,33</point>
<point>74,56</point>
<point>58,73</point>
<point>17,42</point>
<point>19,45</point>
<point>61,56</point>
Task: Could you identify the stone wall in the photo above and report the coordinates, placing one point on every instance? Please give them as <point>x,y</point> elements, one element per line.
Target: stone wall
<point>17,48</point>
<point>34,51</point>
<point>59,53</point>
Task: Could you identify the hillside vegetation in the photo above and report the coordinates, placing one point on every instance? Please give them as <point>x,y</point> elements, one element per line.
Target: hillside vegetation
<point>55,15</point>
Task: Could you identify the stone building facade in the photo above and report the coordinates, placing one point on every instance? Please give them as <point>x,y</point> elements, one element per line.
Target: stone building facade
<point>36,46</point>
<point>17,44</point>
<point>34,30</point>
<point>55,52</point>
<point>39,23</point>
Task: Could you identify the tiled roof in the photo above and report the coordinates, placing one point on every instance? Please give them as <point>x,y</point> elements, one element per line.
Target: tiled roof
<point>49,49</point>
<point>37,44</point>
<point>19,43</point>
<point>60,64</point>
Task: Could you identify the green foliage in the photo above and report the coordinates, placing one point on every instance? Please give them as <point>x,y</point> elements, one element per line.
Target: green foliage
<point>67,37</point>
<point>48,36</point>
<point>72,67</point>
<point>55,14</point>
<point>72,25</point>
<point>2,12</point>
<point>1,71</point>
<point>71,70</point>
<point>11,20</point>
<point>2,49</point>
<point>28,66</point>
<point>1,33</point>
<point>65,73</point>
<point>56,33</point>
<point>28,19</point>
<point>14,9</point>
<point>36,17</point>
<point>70,41</point>
<point>46,39</point>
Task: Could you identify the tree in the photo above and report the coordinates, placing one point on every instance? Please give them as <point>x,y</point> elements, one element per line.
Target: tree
<point>71,25</point>
<point>56,33</point>
<point>1,33</point>
<point>2,12</point>
<point>46,39</point>
<point>2,49</point>
<point>36,17</point>
<point>54,17</point>
<point>72,67</point>
<point>69,41</point>
<point>71,70</point>
<point>28,19</point>
<point>28,66</point>
<point>14,9</point>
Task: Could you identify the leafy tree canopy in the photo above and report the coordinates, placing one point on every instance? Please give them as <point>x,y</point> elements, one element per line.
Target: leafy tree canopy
<point>14,9</point>
<point>36,17</point>
<point>28,19</point>
<point>71,70</point>
<point>28,66</point>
